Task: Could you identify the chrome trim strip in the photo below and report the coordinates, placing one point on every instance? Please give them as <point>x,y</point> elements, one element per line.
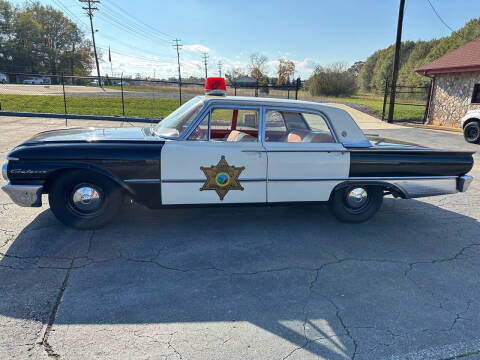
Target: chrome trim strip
<point>11,158</point>
<point>186,181</point>
<point>311,179</point>
<point>402,177</point>
<point>142,181</point>
<point>367,178</point>
<point>308,151</point>
<point>24,195</point>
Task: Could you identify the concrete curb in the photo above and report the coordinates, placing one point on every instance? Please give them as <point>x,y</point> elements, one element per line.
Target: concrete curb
<point>78,117</point>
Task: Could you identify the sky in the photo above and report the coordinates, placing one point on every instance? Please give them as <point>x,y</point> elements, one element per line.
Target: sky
<point>140,33</point>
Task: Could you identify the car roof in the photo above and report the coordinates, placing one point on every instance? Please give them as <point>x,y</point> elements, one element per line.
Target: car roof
<point>346,129</point>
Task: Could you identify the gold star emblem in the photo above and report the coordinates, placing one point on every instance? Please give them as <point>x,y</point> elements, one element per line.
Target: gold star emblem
<point>222,178</point>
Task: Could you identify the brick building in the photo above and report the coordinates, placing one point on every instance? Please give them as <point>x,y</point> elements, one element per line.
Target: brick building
<point>455,86</point>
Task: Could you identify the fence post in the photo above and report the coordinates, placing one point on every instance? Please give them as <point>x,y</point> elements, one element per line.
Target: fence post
<point>123,101</point>
<point>427,106</point>
<point>288,93</point>
<point>64,100</point>
<point>297,86</point>
<point>385,98</point>
<point>256,88</point>
<point>235,88</point>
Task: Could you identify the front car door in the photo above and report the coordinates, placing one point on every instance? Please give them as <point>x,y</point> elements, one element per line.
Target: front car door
<point>220,161</point>
<point>305,161</point>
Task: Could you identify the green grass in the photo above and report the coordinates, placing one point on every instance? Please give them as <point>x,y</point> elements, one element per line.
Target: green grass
<point>89,105</point>
<point>142,107</point>
<point>374,104</point>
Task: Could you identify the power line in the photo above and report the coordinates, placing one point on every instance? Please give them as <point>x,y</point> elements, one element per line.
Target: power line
<point>129,15</point>
<point>205,63</point>
<point>124,24</point>
<point>178,47</point>
<point>89,9</point>
<point>438,15</point>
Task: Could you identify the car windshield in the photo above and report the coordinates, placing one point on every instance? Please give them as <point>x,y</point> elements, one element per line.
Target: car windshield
<point>175,123</point>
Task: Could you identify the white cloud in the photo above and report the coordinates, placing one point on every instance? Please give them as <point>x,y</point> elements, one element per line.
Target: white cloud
<point>192,65</point>
<point>196,48</point>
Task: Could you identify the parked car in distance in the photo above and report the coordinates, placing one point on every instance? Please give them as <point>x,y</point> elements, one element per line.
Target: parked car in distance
<point>471,126</point>
<point>94,83</point>
<point>119,83</point>
<point>226,150</point>
<point>33,81</point>
<point>3,78</point>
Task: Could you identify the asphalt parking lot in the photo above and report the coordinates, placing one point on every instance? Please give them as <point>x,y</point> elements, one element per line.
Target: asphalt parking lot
<point>245,283</point>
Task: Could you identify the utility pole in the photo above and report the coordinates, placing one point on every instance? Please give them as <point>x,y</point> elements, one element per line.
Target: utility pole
<point>72,60</point>
<point>89,9</point>
<point>178,47</point>
<point>205,62</point>
<point>219,68</point>
<point>398,44</point>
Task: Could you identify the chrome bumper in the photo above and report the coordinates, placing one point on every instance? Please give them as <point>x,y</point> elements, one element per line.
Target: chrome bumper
<point>415,188</point>
<point>25,195</point>
<point>463,182</point>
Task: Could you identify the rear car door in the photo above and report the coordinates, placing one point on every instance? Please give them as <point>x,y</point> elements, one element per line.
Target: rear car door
<point>221,161</point>
<point>305,161</point>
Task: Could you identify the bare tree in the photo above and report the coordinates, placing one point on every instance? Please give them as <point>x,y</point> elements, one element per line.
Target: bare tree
<point>286,69</point>
<point>257,66</point>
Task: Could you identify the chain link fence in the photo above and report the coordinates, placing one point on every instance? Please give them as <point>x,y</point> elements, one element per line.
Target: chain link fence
<point>116,97</point>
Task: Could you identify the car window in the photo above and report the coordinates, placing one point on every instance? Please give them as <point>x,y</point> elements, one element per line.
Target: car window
<point>175,123</point>
<point>295,127</point>
<point>228,124</point>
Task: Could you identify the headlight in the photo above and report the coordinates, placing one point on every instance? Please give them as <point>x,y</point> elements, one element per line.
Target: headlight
<point>4,170</point>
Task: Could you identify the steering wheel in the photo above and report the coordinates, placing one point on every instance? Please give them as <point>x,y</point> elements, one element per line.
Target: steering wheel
<point>198,134</point>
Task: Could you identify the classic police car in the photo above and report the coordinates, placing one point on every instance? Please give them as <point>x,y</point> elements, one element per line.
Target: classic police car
<point>227,150</point>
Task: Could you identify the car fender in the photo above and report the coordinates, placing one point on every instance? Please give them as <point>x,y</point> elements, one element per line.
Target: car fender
<point>470,115</point>
<point>63,166</point>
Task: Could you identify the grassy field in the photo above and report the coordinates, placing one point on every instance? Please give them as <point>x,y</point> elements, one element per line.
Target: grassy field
<point>374,104</point>
<point>161,107</point>
<point>86,105</point>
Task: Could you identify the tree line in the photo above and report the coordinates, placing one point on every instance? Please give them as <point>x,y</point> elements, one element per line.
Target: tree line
<point>370,75</point>
<point>413,55</point>
<point>40,39</point>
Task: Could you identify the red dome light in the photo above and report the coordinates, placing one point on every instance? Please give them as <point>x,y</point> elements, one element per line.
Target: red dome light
<point>215,86</point>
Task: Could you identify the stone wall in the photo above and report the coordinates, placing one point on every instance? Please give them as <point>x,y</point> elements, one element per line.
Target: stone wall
<point>452,98</point>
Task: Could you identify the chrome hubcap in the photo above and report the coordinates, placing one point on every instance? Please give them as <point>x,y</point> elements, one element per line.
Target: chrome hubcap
<point>86,198</point>
<point>357,197</point>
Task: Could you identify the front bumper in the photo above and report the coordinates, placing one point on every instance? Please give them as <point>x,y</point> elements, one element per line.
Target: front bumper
<point>25,195</point>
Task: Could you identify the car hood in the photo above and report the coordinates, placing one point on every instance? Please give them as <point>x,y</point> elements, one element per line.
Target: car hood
<point>94,135</point>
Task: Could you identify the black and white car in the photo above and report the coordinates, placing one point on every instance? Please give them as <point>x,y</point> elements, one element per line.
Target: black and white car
<point>222,150</point>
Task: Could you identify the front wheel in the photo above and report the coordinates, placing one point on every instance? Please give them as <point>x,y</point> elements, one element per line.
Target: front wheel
<point>471,132</point>
<point>84,200</point>
<point>356,204</point>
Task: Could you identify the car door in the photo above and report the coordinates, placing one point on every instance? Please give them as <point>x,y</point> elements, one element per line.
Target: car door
<point>305,161</point>
<point>221,161</point>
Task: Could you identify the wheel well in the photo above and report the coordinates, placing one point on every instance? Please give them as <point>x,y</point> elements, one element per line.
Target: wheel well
<point>387,187</point>
<point>470,121</point>
<point>55,174</point>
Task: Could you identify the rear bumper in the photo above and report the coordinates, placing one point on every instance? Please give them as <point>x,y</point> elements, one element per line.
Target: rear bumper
<point>463,182</point>
<point>415,188</point>
<point>25,195</point>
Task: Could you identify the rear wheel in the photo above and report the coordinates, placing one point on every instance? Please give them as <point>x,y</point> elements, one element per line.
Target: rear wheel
<point>356,204</point>
<point>84,200</point>
<point>471,132</point>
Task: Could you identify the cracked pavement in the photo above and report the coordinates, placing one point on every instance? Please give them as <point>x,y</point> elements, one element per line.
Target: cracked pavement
<point>285,282</point>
